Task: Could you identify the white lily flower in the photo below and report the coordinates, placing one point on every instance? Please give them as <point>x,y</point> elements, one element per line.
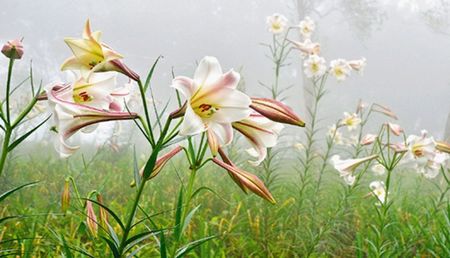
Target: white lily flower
<point>100,91</point>
<point>340,69</point>
<point>347,167</point>
<point>70,117</point>
<point>307,47</point>
<point>307,27</point>
<point>378,169</point>
<point>261,132</point>
<point>358,65</point>
<point>314,66</point>
<point>421,146</point>
<point>379,190</point>
<point>213,102</point>
<point>351,121</point>
<point>91,55</point>
<point>433,166</point>
<point>276,23</point>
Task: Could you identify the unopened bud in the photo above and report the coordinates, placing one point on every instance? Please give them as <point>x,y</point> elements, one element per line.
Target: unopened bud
<point>368,139</point>
<point>247,180</point>
<point>395,128</point>
<point>179,112</point>
<point>91,219</point>
<point>13,49</point>
<point>160,163</point>
<point>103,213</point>
<point>65,197</point>
<point>276,111</point>
<point>443,147</point>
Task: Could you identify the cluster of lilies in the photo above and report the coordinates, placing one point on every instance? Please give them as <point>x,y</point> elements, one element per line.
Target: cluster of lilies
<point>213,106</point>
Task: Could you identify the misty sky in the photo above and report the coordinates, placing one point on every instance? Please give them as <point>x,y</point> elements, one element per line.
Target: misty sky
<point>406,43</point>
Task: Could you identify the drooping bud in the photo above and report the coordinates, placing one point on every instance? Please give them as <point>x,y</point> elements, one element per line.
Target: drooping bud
<point>395,128</point>
<point>368,139</point>
<point>443,147</point>
<point>358,64</point>
<point>91,219</point>
<point>118,66</point>
<point>384,110</point>
<point>13,49</point>
<point>103,213</point>
<point>276,111</point>
<point>65,196</point>
<point>248,180</point>
<point>179,112</point>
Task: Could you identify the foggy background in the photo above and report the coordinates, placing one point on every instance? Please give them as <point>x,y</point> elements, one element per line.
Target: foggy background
<point>406,43</point>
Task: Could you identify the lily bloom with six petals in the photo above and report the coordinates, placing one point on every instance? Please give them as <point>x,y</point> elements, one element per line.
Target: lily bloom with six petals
<point>71,117</point>
<point>213,102</point>
<point>90,55</point>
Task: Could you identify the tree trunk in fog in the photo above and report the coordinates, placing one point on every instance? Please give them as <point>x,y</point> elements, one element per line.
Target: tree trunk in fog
<point>447,130</point>
<point>304,8</point>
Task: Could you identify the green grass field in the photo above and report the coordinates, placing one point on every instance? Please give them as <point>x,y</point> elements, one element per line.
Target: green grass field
<point>330,221</point>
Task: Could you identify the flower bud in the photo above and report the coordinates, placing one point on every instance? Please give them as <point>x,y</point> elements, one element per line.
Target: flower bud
<point>179,112</point>
<point>160,163</point>
<point>103,212</point>
<point>395,128</point>
<point>384,110</point>
<point>245,180</point>
<point>368,139</point>
<point>65,197</point>
<point>443,147</point>
<point>91,219</point>
<point>13,49</point>
<point>276,111</point>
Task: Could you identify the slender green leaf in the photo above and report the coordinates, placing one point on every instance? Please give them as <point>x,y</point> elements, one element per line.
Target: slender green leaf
<point>23,137</point>
<point>187,248</point>
<point>7,193</point>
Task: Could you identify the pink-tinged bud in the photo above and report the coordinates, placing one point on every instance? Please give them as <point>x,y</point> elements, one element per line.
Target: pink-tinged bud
<point>276,111</point>
<point>235,179</point>
<point>179,112</point>
<point>42,96</point>
<point>103,213</point>
<point>358,65</point>
<point>395,128</point>
<point>368,139</point>
<point>160,163</point>
<point>384,110</point>
<point>91,219</point>
<point>118,66</point>
<point>246,180</point>
<point>307,47</point>
<point>398,147</point>
<point>65,197</point>
<point>13,49</point>
<point>443,147</point>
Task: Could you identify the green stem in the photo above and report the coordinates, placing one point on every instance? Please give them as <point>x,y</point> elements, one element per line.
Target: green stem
<point>189,192</point>
<point>131,217</point>
<point>8,86</point>
<point>5,148</point>
<point>147,116</point>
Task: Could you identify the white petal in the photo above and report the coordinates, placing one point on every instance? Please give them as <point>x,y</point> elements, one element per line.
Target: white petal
<point>232,105</point>
<point>223,132</point>
<point>184,85</point>
<point>192,123</point>
<point>208,71</point>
